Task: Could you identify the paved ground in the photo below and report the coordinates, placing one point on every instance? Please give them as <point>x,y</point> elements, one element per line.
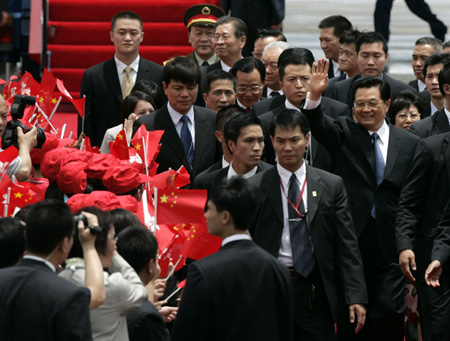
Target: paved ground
<point>303,16</point>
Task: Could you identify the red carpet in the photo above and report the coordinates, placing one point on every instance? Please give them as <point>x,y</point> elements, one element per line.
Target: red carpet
<point>79,36</point>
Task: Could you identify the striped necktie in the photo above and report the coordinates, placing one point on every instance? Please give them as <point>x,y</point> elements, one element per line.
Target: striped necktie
<point>127,83</point>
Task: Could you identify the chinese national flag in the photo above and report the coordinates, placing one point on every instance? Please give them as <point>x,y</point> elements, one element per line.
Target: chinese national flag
<point>181,206</point>
<point>119,148</point>
<point>6,157</point>
<point>200,243</point>
<point>20,196</point>
<point>151,141</point>
<point>171,179</point>
<point>171,254</point>
<point>27,85</point>
<point>77,103</point>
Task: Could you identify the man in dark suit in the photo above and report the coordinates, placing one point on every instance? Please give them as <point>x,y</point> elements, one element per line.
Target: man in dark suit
<point>420,210</point>
<point>36,304</point>
<point>188,138</point>
<point>331,30</point>
<point>249,73</point>
<point>241,292</point>
<point>424,47</point>
<point>325,263</point>
<point>200,20</point>
<point>437,81</point>
<point>372,51</point>
<point>230,35</point>
<point>270,55</point>
<point>219,89</point>
<point>295,71</point>
<point>373,174</point>
<point>107,84</point>
<point>139,248</point>
<point>244,139</point>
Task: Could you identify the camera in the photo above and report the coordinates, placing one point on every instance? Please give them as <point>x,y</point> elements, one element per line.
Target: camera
<point>17,111</point>
<point>93,229</point>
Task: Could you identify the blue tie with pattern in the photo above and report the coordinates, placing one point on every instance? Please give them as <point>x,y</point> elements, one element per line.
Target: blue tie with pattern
<point>302,256</point>
<point>186,140</point>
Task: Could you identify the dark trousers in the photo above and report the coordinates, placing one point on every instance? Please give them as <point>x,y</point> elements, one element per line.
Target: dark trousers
<point>385,284</point>
<point>312,316</point>
<point>382,17</point>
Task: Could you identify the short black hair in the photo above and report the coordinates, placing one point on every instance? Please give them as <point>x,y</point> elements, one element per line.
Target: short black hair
<point>350,37</point>
<point>225,113</point>
<point>403,100</point>
<point>216,75</point>
<point>289,119</point>
<point>371,38</point>
<point>182,69</point>
<point>137,246</point>
<point>238,198</point>
<point>152,89</point>
<point>444,77</point>
<point>338,22</point>
<point>240,28</point>
<point>233,126</point>
<point>105,221</point>
<point>48,223</point>
<point>373,82</point>
<point>247,65</point>
<point>270,32</point>
<point>435,59</point>
<point>130,102</point>
<point>123,219</point>
<point>12,241</point>
<point>126,15</point>
<point>295,56</point>
<point>436,43</point>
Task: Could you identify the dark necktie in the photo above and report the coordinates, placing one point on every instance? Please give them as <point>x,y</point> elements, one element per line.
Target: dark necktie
<point>248,110</point>
<point>186,140</point>
<point>205,63</point>
<point>274,94</point>
<point>379,164</point>
<point>302,256</point>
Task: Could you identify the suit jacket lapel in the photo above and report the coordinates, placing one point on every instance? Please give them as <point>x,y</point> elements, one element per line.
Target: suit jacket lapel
<point>446,152</point>
<point>393,150</point>
<point>362,138</point>
<point>200,142</point>
<point>171,137</point>
<point>442,125</point>
<point>315,189</point>
<point>270,184</point>
<point>112,78</point>
<point>142,71</point>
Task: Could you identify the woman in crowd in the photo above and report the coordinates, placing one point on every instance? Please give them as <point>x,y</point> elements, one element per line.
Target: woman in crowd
<point>406,108</point>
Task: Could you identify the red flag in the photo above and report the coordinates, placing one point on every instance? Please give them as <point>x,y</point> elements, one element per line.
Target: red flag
<point>6,157</point>
<point>77,103</point>
<point>20,196</point>
<point>171,254</point>
<point>171,179</point>
<point>200,243</point>
<point>119,148</point>
<point>180,206</point>
<point>151,141</point>
<point>181,284</point>
<point>25,86</point>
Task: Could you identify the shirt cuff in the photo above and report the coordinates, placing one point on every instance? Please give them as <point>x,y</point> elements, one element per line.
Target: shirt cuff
<point>310,104</point>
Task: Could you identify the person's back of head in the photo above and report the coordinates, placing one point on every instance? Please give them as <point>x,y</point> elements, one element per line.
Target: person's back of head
<point>238,198</point>
<point>12,241</point>
<point>224,114</point>
<point>138,247</point>
<point>123,219</point>
<point>48,223</point>
<point>152,89</point>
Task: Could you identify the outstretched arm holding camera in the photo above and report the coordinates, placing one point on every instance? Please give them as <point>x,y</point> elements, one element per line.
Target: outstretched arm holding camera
<point>26,143</point>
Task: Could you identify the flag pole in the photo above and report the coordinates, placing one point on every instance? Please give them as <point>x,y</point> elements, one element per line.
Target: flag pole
<point>144,147</point>
<point>170,296</point>
<point>84,114</point>
<point>174,267</point>
<point>155,204</point>
<point>8,196</point>
<point>53,112</point>
<point>45,116</point>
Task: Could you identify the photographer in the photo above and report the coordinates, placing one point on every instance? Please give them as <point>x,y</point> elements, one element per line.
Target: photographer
<point>21,166</point>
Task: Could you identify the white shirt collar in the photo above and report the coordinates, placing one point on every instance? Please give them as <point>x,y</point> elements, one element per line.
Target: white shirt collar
<point>240,104</point>
<point>39,259</point>
<point>232,173</point>
<point>289,105</point>
<point>269,91</point>
<point>433,108</point>
<point>200,61</point>
<point>336,70</point>
<point>225,67</point>
<point>234,237</point>
<point>447,113</point>
<point>285,175</point>
<point>121,66</point>
<point>421,85</point>
<point>224,162</point>
<point>383,132</point>
<point>176,116</point>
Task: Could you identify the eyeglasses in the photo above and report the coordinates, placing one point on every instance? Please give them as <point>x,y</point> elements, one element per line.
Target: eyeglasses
<point>373,103</point>
<point>254,89</point>
<point>225,37</point>
<point>412,115</point>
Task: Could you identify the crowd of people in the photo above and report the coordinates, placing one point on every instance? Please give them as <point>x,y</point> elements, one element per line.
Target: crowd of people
<point>327,181</point>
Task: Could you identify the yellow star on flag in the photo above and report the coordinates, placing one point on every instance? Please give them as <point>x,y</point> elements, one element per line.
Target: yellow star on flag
<point>54,101</point>
<point>164,199</point>
<point>18,195</point>
<point>120,136</point>
<point>41,99</point>
<point>138,147</point>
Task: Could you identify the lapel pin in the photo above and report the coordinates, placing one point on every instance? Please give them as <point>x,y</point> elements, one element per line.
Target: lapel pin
<point>314,193</point>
